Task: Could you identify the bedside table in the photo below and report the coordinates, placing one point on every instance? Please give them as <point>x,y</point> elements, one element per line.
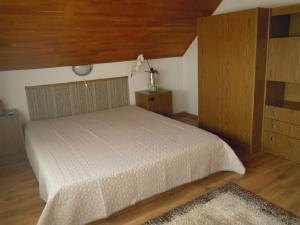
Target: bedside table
<point>11,134</point>
<point>159,102</point>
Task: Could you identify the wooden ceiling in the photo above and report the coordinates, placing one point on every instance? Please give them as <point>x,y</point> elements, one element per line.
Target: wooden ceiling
<point>51,33</point>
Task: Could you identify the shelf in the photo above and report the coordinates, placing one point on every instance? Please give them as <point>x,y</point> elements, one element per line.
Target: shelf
<point>285,25</point>
<point>286,104</point>
<point>286,37</point>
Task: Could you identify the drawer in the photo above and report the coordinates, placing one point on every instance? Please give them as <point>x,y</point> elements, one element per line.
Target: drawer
<point>282,114</point>
<point>277,127</point>
<point>282,145</point>
<point>295,131</point>
<point>295,154</point>
<point>278,113</point>
<point>151,102</point>
<point>277,144</point>
<point>296,117</point>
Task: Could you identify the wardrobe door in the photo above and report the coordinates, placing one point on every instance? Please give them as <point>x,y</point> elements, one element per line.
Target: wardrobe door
<point>227,68</point>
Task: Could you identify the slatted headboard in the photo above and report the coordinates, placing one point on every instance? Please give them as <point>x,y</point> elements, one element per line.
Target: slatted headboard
<point>65,99</point>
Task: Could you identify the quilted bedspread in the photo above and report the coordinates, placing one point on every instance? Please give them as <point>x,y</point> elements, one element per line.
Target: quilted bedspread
<point>92,165</point>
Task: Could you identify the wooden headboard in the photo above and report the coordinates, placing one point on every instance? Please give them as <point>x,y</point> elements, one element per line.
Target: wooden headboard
<point>65,99</point>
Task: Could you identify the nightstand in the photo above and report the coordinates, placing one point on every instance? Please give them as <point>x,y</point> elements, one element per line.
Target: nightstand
<point>159,102</point>
<point>11,135</point>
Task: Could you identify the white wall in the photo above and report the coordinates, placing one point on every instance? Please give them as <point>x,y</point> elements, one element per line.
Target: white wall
<point>190,78</point>
<point>12,83</point>
<point>234,5</point>
<point>190,58</point>
<point>1,89</point>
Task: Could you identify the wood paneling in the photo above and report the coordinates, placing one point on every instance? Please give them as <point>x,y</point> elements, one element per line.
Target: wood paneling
<point>272,178</point>
<point>36,34</point>
<point>232,59</point>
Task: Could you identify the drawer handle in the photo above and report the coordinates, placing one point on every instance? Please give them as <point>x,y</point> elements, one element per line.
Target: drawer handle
<point>271,138</point>
<point>151,99</point>
<point>274,113</point>
<point>274,126</point>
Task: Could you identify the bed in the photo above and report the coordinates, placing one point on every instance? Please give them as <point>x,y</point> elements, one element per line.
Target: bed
<point>92,165</point>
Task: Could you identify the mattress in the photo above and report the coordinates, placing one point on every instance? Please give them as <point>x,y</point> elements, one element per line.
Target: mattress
<point>92,165</point>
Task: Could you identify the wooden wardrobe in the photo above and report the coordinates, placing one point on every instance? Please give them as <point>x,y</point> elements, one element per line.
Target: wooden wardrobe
<point>232,64</point>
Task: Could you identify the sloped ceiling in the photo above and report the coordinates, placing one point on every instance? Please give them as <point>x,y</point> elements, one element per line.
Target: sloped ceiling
<point>50,33</point>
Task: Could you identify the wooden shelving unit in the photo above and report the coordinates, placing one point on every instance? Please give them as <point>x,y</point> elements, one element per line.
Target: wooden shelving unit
<point>281,134</point>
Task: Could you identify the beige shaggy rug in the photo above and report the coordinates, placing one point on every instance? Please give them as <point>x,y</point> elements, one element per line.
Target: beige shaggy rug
<point>229,204</point>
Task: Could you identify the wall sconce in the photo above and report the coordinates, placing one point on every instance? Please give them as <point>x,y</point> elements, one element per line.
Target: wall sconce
<point>83,70</point>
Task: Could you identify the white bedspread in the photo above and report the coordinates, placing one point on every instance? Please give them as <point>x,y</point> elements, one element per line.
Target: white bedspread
<point>92,165</point>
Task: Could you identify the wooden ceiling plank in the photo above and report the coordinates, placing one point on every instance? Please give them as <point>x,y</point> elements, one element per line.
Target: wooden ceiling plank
<point>38,34</point>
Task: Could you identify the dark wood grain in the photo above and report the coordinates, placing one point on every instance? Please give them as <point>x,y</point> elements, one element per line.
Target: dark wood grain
<point>37,34</point>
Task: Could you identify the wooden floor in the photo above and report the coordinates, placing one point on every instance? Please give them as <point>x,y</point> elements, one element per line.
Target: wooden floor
<point>274,179</point>
<point>186,118</point>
